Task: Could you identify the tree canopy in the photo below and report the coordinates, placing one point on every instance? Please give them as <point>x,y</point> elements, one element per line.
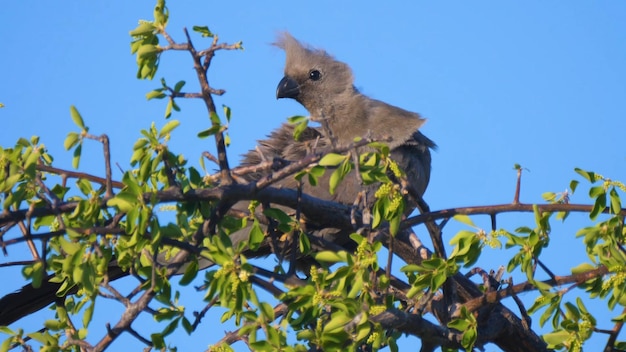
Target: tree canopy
<point>285,287</point>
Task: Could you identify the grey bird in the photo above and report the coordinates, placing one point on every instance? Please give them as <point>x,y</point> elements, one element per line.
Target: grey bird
<point>324,86</point>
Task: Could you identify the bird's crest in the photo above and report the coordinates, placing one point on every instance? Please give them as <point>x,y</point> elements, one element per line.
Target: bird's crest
<point>301,58</point>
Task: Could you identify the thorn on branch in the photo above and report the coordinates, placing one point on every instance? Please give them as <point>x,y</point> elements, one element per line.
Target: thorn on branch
<point>518,184</point>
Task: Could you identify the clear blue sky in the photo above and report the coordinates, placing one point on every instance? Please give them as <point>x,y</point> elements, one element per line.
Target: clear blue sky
<point>538,83</point>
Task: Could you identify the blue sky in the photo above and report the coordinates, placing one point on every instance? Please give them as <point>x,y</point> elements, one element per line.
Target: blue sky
<point>537,83</point>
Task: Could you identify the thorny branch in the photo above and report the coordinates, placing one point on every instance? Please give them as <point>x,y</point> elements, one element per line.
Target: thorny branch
<point>229,191</point>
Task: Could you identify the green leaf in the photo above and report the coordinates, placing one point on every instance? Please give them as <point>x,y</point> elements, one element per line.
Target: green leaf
<point>157,341</point>
<point>211,131</point>
<point>191,271</point>
<point>227,112</point>
<point>596,191</point>
<point>338,320</point>
<point>203,30</point>
<point>338,175</point>
<point>71,140</point>
<point>616,204</point>
<point>76,156</point>
<point>6,330</point>
<point>143,29</point>
<point>161,13</point>
<point>88,314</point>
<point>53,324</point>
<point>462,218</point>
<point>556,338</point>
<point>394,223</point>
<point>215,118</point>
<point>549,196</point>
<point>598,206</point>
<point>582,268</point>
<point>329,257</point>
<point>571,311</point>
<point>590,176</point>
<point>332,159</point>
<point>147,51</point>
<point>169,127</point>
<point>168,108</point>
<point>78,120</point>
<point>305,244</point>
<point>256,236</point>
<point>573,185</point>
<point>124,201</point>
<point>179,85</point>
<point>267,311</point>
<point>297,119</point>
<point>459,324</point>
<point>301,127</point>
<point>156,94</point>
<point>277,214</point>
<point>84,186</point>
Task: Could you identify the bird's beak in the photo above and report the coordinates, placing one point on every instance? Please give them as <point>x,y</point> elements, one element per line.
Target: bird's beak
<point>287,88</point>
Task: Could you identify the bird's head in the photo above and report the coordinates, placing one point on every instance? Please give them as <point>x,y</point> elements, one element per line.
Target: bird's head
<point>312,77</point>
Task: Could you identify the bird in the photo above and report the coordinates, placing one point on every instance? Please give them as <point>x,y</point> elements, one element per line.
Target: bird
<point>325,87</point>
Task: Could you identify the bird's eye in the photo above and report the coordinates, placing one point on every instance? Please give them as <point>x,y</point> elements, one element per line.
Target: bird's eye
<point>315,75</point>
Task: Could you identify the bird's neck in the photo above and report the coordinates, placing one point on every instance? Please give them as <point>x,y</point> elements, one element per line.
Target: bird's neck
<point>345,119</point>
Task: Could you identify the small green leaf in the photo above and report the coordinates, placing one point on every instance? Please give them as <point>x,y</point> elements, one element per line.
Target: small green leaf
<point>616,204</point>
<point>338,320</point>
<point>227,112</point>
<point>158,341</point>
<point>549,196</point>
<point>277,214</point>
<point>556,338</point>
<point>582,268</point>
<point>53,324</point>
<point>329,257</point>
<point>299,129</point>
<point>305,244</point>
<point>338,175</point>
<point>144,28</point>
<point>88,314</point>
<point>190,273</point>
<point>332,159</point>
<point>169,127</point>
<point>168,108</point>
<point>179,85</point>
<point>156,94</point>
<point>598,206</point>
<point>71,140</point>
<point>76,156</point>
<point>462,218</point>
<point>596,191</point>
<point>124,201</point>
<point>297,119</point>
<point>590,176</point>
<point>210,131</point>
<point>267,310</point>
<point>78,120</point>
<point>147,51</point>
<point>573,185</point>
<point>256,236</point>
<point>203,30</point>
<point>215,118</point>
